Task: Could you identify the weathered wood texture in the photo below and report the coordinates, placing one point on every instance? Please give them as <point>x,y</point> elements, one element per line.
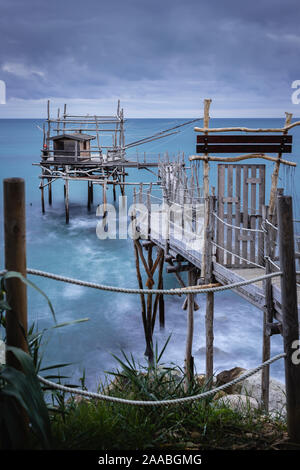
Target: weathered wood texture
<point>255,148</point>
<point>290,314</point>
<point>241,195</point>
<point>15,260</point>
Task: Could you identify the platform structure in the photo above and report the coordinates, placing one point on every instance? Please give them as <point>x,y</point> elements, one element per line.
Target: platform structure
<point>218,236</point>
<point>91,148</point>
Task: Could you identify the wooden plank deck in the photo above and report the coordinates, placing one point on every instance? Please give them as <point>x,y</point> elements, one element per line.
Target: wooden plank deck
<point>252,292</point>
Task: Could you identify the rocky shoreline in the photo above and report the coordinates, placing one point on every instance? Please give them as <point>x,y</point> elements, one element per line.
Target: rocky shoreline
<point>247,394</point>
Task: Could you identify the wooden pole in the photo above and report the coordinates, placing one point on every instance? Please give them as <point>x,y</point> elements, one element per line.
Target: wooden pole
<point>67,197</point>
<point>140,281</point>
<point>15,260</point>
<point>42,195</point>
<point>89,198</point>
<point>189,363</point>
<point>149,312</point>
<point>205,183</point>
<point>50,191</point>
<point>208,277</point>
<point>159,298</point>
<point>290,322</point>
<point>267,315</point>
<point>92,192</point>
<point>275,175</point>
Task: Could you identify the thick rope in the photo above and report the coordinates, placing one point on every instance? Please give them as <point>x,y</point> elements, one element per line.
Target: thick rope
<point>184,290</point>
<point>174,401</point>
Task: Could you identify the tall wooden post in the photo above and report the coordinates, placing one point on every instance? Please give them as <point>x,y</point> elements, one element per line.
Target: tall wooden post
<point>205,183</point>
<point>208,276</point>
<point>268,314</point>
<point>189,362</point>
<point>149,311</point>
<point>15,260</point>
<point>290,322</point>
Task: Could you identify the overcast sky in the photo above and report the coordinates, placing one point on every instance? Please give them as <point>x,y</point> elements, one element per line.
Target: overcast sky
<point>160,57</point>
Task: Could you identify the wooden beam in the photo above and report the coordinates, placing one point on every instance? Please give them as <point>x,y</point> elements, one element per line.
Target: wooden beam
<point>246,129</point>
<point>241,158</point>
<point>15,260</point>
<point>290,322</point>
<point>16,291</point>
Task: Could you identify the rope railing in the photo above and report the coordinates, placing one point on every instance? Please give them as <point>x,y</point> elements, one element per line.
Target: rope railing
<point>183,290</point>
<point>236,227</point>
<point>175,401</point>
<point>186,290</point>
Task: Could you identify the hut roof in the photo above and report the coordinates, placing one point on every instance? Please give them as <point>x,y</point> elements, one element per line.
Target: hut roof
<point>76,136</point>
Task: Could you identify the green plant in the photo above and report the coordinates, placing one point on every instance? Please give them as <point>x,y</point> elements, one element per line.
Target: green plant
<point>22,405</point>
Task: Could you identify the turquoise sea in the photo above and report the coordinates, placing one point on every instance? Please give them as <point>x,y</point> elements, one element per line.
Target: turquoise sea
<point>74,250</point>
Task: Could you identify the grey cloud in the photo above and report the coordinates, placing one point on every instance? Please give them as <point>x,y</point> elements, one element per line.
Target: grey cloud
<point>139,48</point>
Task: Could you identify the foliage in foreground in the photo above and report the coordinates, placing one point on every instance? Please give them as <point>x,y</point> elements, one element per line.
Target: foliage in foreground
<point>22,406</point>
<point>24,413</point>
<point>98,425</point>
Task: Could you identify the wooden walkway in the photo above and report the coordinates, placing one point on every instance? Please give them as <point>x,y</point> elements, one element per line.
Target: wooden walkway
<point>254,293</point>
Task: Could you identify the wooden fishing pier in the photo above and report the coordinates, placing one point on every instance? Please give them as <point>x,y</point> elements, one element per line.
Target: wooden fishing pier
<point>91,149</point>
<point>221,236</point>
<point>228,236</point>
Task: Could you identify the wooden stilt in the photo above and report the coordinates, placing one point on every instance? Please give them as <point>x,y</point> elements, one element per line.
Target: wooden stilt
<point>42,196</point>
<point>140,282</point>
<point>189,363</point>
<point>67,198</point>
<point>149,312</point>
<point>50,191</point>
<point>89,196</point>
<point>159,303</point>
<point>92,193</point>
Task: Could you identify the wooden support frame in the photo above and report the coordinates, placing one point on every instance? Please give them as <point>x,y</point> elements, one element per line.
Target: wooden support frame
<point>149,308</point>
